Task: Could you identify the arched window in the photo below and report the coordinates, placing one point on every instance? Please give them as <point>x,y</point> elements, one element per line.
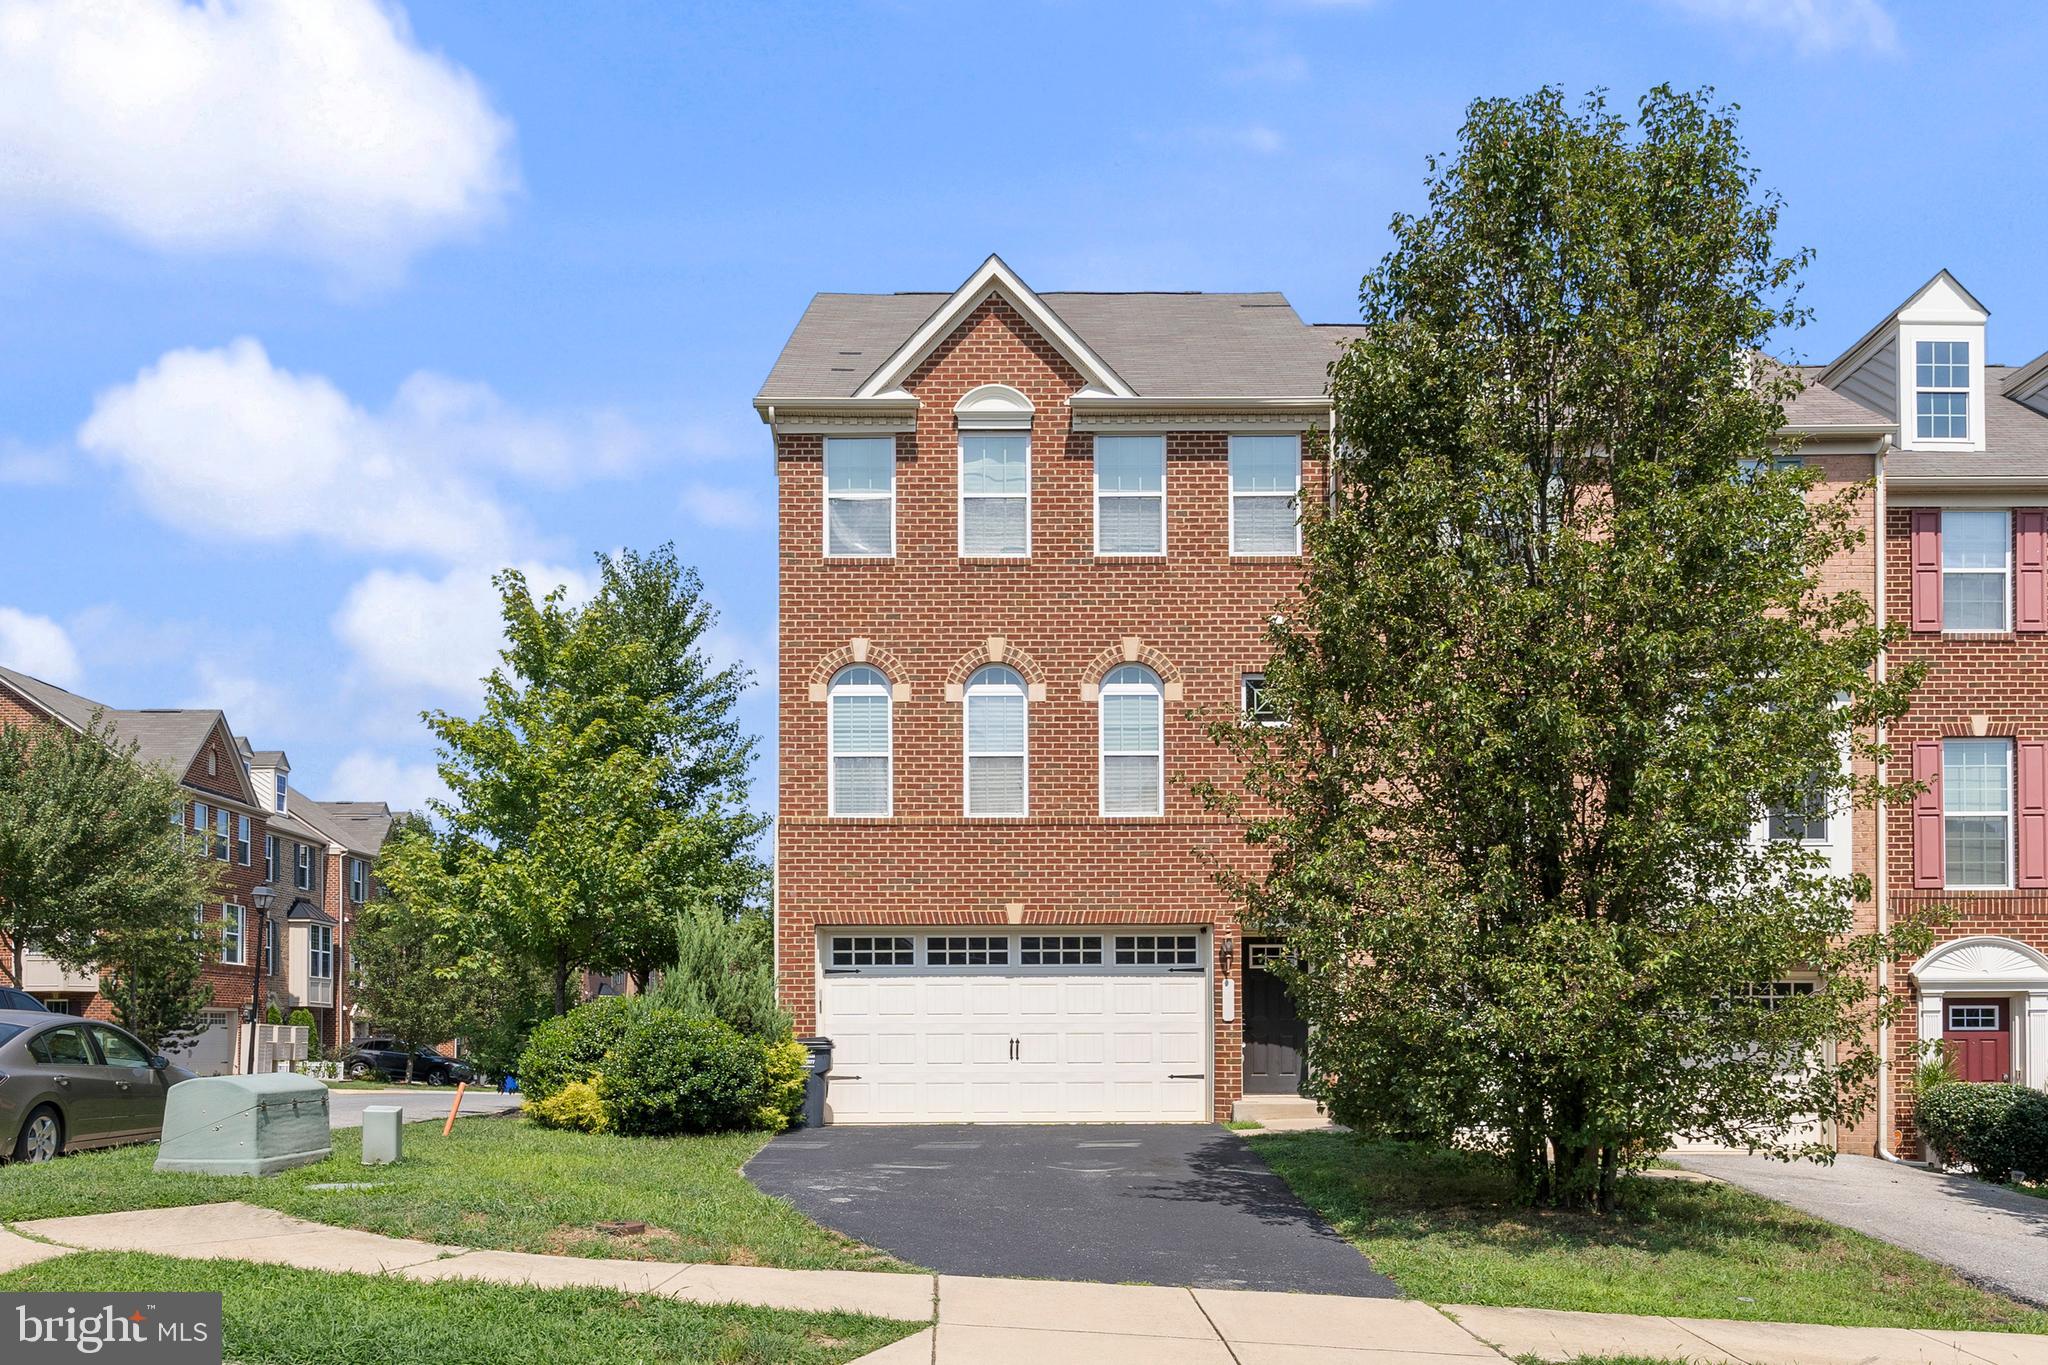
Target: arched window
<point>996,729</point>
<point>859,725</point>
<point>1133,749</point>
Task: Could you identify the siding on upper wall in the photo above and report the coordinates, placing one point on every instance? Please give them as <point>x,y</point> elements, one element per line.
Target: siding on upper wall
<point>1875,383</point>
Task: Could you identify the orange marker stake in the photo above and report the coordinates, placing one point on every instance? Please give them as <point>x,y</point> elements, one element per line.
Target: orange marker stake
<point>454,1108</point>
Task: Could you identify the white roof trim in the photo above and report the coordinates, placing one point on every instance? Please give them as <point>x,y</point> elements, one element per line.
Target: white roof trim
<point>993,407</point>
<point>992,279</point>
<point>1868,343</point>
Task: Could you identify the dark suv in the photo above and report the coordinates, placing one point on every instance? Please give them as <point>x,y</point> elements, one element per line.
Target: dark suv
<point>12,999</point>
<point>385,1058</point>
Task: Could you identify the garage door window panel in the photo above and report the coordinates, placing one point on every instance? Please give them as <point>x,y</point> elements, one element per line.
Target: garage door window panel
<point>1156,950</point>
<point>862,950</point>
<point>971,950</point>
<point>1055,950</point>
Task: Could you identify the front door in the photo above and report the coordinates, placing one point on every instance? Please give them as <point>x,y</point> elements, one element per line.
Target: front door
<point>1275,1035</point>
<point>1979,1036</point>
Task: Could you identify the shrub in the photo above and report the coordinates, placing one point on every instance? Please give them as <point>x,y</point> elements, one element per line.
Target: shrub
<point>672,1074</point>
<point>573,1046</point>
<point>1997,1129</point>
<point>303,1018</point>
<point>575,1106</point>
<point>1937,1066</point>
<point>784,1066</point>
<point>725,970</point>
<point>272,1014</point>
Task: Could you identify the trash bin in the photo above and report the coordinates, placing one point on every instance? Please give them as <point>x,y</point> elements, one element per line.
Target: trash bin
<point>814,1081</point>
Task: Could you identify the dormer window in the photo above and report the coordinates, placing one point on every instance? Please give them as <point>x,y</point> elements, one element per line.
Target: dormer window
<point>278,799</point>
<point>1941,390</point>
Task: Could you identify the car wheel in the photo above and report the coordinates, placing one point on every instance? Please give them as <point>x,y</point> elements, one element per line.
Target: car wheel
<point>42,1137</point>
<point>359,1070</point>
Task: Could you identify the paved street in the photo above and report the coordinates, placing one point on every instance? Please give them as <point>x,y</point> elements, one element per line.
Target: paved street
<point>345,1107</point>
<point>1182,1204</point>
<point>1996,1237</point>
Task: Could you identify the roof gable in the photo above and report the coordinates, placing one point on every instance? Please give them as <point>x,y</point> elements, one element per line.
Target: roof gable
<point>994,279</point>
<point>1941,300</point>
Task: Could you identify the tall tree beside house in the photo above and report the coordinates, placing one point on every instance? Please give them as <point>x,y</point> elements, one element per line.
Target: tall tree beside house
<point>407,974</point>
<point>603,789</point>
<point>1563,641</point>
<point>91,856</point>
<point>153,976</point>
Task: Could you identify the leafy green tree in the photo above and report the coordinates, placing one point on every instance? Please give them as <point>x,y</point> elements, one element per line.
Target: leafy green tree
<point>407,975</point>
<point>604,787</point>
<point>724,970</point>
<point>88,846</point>
<point>1563,640</point>
<point>154,978</point>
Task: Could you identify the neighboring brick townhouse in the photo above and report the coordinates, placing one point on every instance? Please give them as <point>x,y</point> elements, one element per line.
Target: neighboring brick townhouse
<point>1029,545</point>
<point>314,855</point>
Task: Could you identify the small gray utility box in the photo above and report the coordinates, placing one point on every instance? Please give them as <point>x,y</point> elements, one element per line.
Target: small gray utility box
<point>244,1125</point>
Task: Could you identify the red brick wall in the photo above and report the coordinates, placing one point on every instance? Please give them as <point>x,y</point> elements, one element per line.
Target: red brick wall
<point>2003,678</point>
<point>1064,616</point>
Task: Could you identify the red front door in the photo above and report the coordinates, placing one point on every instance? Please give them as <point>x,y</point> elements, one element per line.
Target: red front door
<point>1979,1035</point>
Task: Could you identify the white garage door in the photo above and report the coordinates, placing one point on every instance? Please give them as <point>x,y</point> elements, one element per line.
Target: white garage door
<point>934,1026</point>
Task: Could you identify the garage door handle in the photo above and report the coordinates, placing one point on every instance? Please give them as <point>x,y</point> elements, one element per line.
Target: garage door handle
<point>842,1076</point>
<point>1184,1076</point>
<point>1196,970</point>
<point>842,971</point>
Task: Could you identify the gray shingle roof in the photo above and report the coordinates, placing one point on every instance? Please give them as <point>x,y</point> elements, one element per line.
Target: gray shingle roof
<point>170,738</point>
<point>359,826</point>
<point>2015,436</point>
<point>1163,345</point>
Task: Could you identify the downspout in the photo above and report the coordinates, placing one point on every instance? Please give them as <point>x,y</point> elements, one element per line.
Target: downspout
<point>1882,881</point>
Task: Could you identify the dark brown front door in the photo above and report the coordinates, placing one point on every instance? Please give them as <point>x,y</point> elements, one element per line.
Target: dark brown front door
<point>1275,1035</point>
<point>1979,1035</point>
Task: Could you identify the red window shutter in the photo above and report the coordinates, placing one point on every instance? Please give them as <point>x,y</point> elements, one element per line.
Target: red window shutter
<point>1929,870</point>
<point>1926,549</point>
<point>2033,813</point>
<point>2030,569</point>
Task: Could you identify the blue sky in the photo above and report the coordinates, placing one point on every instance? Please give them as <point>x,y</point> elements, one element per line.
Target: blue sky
<point>316,314</point>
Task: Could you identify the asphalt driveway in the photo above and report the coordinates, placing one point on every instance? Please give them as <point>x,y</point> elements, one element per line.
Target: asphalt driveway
<point>1177,1204</point>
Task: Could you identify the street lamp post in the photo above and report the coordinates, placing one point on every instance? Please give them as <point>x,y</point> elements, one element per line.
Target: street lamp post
<point>262,896</point>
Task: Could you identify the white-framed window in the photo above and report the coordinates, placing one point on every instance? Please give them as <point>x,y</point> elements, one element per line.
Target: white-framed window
<point>997,737</point>
<point>1802,822</point>
<point>1130,495</point>
<point>967,950</point>
<point>1252,703</point>
<point>233,920</point>
<point>358,880</point>
<point>866,950</point>
<point>1976,814</point>
<point>1941,390</point>
<point>858,718</point>
<point>1974,1018</point>
<point>995,495</point>
<point>302,866</point>
<point>270,857</point>
<point>1133,747</point>
<point>1976,569</point>
<point>202,821</point>
<point>1060,950</point>
<point>860,497</point>
<point>320,952</point>
<point>1156,950</point>
<point>1265,495</point>
<point>223,832</point>
<point>242,840</point>
<point>1771,994</point>
<point>269,947</point>
<point>277,800</point>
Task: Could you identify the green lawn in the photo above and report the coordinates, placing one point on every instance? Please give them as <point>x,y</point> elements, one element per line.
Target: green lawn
<point>1444,1225</point>
<point>499,1183</point>
<point>279,1316</point>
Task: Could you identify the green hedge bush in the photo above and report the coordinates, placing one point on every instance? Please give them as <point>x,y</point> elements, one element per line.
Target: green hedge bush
<point>670,1074</point>
<point>572,1047</point>
<point>575,1106</point>
<point>1997,1129</point>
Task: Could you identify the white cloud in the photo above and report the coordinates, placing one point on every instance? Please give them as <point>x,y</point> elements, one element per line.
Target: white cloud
<point>1814,26</point>
<point>723,508</point>
<point>255,708</point>
<point>38,646</point>
<point>367,776</point>
<point>322,131</point>
<point>223,441</point>
<point>408,630</point>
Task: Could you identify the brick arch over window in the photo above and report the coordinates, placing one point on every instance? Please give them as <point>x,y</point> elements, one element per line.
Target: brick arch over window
<point>1131,650</point>
<point>858,652</point>
<point>994,650</point>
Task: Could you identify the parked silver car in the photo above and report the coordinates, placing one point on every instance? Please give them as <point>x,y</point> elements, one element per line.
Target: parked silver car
<point>68,1084</point>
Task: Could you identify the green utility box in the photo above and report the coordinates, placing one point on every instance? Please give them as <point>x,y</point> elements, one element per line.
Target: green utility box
<point>244,1125</point>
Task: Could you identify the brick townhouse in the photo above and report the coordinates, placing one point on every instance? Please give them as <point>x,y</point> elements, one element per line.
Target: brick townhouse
<point>238,806</point>
<point>1028,546</point>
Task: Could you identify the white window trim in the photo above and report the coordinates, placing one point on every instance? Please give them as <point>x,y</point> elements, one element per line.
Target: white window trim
<point>1230,480</point>
<point>242,832</point>
<point>832,754</point>
<point>2011,822</point>
<point>1244,710</point>
<point>358,881</point>
<point>961,495</point>
<point>1095,504</point>
<point>1157,691</point>
<point>270,858</point>
<point>968,755</point>
<point>235,918</point>
<point>2004,625</point>
<point>1965,388</point>
<point>302,862</point>
<point>855,495</point>
<point>1910,335</point>
<point>314,952</point>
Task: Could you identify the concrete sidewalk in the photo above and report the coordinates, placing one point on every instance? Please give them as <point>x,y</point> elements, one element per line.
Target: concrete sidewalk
<point>1995,1237</point>
<point>979,1321</point>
